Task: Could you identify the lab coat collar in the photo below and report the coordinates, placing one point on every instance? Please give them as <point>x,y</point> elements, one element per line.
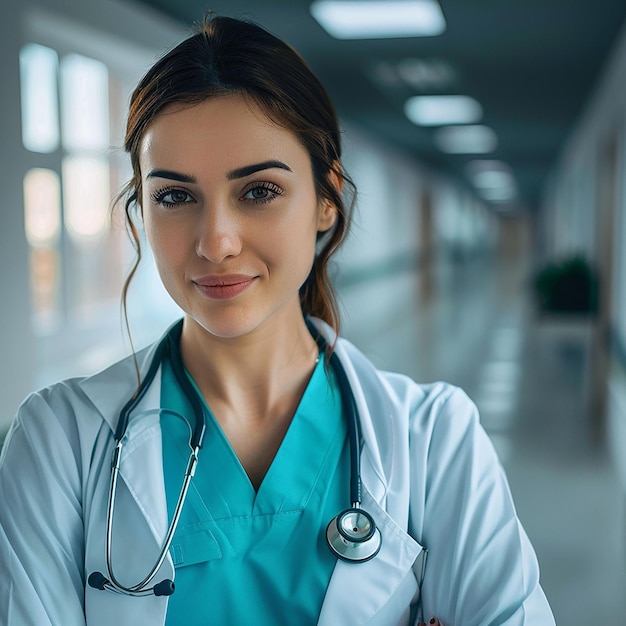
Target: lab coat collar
<point>358,591</point>
<point>110,389</point>
<point>373,471</point>
<point>142,457</point>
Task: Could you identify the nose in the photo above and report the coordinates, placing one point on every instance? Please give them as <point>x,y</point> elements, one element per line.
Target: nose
<point>219,233</point>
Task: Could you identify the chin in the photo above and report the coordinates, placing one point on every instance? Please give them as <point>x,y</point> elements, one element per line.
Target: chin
<point>228,325</point>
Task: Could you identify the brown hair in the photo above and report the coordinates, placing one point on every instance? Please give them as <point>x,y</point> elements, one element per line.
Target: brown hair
<point>228,56</point>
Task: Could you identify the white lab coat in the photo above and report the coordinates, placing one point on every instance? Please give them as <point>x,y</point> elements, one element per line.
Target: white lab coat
<point>430,478</point>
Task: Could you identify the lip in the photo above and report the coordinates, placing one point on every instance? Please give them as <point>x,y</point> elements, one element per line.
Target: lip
<point>224,287</point>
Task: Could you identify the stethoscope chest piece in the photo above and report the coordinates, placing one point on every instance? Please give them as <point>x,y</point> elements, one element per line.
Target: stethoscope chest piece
<point>353,536</point>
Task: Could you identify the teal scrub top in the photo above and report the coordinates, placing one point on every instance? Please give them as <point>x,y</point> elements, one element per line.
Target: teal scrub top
<point>243,556</point>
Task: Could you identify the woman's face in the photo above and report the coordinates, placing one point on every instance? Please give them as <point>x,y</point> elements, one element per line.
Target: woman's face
<point>231,214</point>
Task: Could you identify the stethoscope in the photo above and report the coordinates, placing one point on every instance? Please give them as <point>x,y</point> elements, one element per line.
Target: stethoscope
<point>352,535</point>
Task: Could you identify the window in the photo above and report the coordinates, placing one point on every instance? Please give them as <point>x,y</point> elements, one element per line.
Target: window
<point>74,95</point>
<point>40,114</point>
<point>42,219</point>
<point>66,116</point>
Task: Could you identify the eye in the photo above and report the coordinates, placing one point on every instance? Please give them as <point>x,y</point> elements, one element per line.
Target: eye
<point>171,197</point>
<point>260,193</point>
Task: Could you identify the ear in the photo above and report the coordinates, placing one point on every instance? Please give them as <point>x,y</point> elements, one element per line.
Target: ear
<point>327,216</point>
<point>328,211</point>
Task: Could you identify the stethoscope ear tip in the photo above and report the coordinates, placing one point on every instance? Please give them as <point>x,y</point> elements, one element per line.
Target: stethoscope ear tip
<point>97,580</point>
<point>164,588</point>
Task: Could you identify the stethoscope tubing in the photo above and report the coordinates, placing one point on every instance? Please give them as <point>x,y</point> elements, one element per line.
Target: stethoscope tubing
<point>167,347</point>
<point>354,430</point>
<point>344,546</point>
<point>182,496</point>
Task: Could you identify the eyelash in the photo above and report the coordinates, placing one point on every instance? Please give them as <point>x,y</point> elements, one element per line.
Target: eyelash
<point>274,192</point>
<point>159,196</point>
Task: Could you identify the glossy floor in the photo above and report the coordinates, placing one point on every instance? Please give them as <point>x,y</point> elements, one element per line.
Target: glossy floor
<point>473,325</point>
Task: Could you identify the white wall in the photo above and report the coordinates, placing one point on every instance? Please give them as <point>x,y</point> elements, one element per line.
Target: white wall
<point>128,38</point>
<point>387,225</point>
<point>386,219</point>
<point>131,38</point>
<point>16,339</point>
<point>572,216</point>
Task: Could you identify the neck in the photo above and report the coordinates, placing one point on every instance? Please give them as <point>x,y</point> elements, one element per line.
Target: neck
<point>253,377</point>
<point>252,383</point>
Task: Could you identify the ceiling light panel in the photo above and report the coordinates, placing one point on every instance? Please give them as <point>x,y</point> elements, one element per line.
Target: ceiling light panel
<point>493,180</point>
<point>486,165</point>
<point>475,139</point>
<point>497,194</point>
<point>343,19</point>
<point>442,110</point>
<point>426,74</point>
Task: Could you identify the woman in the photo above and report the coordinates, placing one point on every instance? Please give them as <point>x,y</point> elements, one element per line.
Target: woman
<point>237,174</point>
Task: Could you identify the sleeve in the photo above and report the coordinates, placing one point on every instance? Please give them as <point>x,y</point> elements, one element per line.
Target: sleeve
<point>481,567</point>
<point>41,527</point>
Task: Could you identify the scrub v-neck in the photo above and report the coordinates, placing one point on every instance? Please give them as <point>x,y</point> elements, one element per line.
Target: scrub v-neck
<point>240,553</point>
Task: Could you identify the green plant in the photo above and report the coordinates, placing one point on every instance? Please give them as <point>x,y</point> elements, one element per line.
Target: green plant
<point>568,286</point>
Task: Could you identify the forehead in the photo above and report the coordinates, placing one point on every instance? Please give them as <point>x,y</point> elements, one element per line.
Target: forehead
<point>219,133</point>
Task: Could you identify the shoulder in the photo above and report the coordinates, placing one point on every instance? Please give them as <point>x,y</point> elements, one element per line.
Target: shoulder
<point>404,419</point>
<point>67,408</point>
<point>63,395</point>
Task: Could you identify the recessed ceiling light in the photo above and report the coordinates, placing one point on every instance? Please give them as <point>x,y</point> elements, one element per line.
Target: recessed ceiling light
<point>420,75</point>
<point>473,139</point>
<point>385,75</point>
<point>442,110</point>
<point>426,74</point>
<point>494,180</point>
<point>343,19</point>
<point>481,165</point>
<point>497,194</point>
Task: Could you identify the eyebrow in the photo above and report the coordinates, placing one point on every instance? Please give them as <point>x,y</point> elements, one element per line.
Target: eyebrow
<point>240,172</point>
<point>181,178</point>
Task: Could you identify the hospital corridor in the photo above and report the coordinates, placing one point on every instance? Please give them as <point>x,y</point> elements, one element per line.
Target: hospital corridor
<point>485,247</point>
<point>528,377</point>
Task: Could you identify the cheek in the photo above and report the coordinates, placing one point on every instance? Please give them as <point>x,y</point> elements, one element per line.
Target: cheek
<point>300,245</point>
<point>155,241</point>
<point>148,229</point>
<point>148,222</point>
<point>164,242</point>
<point>158,235</point>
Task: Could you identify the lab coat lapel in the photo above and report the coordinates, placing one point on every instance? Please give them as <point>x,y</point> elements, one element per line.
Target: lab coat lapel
<point>357,592</point>
<point>140,518</point>
<point>378,591</point>
<point>141,466</point>
<point>110,389</point>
